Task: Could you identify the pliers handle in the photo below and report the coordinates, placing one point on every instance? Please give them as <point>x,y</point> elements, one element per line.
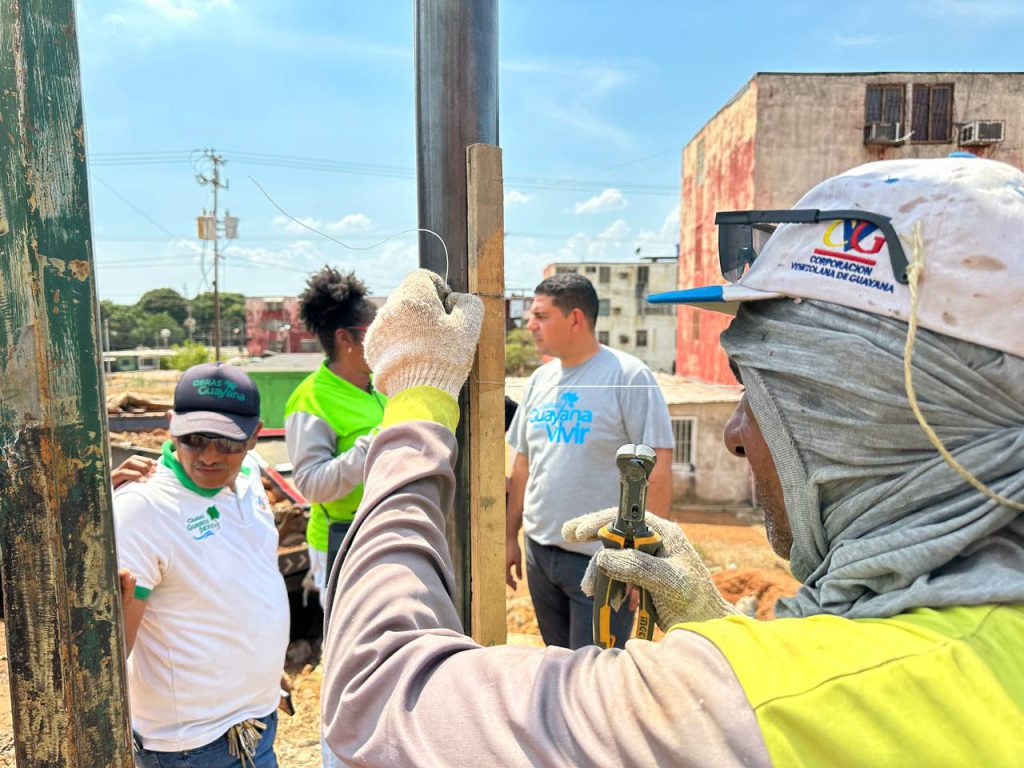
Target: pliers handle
<point>609,591</point>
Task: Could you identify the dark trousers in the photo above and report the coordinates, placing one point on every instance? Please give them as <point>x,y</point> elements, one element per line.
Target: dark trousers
<point>564,614</point>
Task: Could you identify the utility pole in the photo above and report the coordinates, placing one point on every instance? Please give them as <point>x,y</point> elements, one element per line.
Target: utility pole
<point>69,698</point>
<point>209,228</point>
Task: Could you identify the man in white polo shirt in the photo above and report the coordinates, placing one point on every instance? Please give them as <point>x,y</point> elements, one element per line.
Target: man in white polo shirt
<point>207,632</point>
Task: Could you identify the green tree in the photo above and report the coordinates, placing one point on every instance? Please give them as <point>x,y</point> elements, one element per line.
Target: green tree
<point>188,354</point>
<point>122,322</point>
<point>165,300</point>
<point>521,356</point>
<point>150,330</point>
<point>232,315</point>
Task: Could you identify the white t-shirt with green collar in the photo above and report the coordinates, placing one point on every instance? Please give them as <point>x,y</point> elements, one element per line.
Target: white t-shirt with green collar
<point>210,648</point>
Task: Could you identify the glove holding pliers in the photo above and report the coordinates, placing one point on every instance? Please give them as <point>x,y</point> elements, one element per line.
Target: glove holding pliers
<point>676,579</point>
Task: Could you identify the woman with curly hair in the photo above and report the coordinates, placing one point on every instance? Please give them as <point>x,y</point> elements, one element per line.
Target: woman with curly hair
<point>329,416</point>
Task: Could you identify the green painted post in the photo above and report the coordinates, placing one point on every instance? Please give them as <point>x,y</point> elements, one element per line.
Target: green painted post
<point>65,652</point>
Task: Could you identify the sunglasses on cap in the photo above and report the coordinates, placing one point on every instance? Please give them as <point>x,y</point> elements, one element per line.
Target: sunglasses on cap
<point>198,441</point>
<point>742,235</point>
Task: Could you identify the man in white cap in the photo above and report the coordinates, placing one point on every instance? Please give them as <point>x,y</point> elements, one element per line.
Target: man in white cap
<point>884,425</point>
<point>207,631</point>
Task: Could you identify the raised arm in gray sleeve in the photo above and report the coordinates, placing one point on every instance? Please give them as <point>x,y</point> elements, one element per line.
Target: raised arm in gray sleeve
<point>404,686</point>
<point>319,475</point>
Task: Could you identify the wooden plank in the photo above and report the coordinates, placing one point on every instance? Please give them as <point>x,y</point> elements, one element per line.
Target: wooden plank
<point>486,413</point>
<point>63,622</point>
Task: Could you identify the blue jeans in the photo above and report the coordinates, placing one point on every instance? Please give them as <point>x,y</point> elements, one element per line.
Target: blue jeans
<point>215,754</point>
<point>564,614</point>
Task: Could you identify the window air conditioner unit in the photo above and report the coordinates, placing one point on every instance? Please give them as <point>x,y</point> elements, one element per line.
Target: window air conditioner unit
<point>882,133</point>
<point>981,132</point>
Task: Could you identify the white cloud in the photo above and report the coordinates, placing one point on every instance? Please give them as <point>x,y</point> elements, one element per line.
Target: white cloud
<point>114,20</point>
<point>354,222</point>
<point>572,91</point>
<point>618,230</point>
<point>610,199</point>
<point>514,196</point>
<point>293,225</point>
<point>619,241</point>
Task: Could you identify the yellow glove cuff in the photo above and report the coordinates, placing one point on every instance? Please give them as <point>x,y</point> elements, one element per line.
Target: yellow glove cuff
<point>421,403</point>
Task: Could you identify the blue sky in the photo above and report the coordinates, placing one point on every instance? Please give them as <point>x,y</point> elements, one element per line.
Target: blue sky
<point>605,94</point>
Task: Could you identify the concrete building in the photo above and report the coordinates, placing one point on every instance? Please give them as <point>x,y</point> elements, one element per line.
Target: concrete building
<point>272,324</point>
<point>704,473</point>
<point>784,133</point>
<point>625,320</point>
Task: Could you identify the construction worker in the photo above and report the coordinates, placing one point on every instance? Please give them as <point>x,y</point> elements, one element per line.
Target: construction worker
<point>904,644</point>
<point>578,408</point>
<point>207,628</point>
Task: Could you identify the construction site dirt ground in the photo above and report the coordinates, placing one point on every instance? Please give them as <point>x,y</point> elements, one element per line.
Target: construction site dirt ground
<point>735,550</point>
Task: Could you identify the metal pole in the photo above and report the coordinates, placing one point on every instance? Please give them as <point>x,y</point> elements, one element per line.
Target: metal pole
<point>456,105</point>
<point>216,262</point>
<point>63,622</point>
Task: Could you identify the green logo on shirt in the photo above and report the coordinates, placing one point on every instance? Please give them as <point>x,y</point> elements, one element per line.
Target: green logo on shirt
<point>205,525</point>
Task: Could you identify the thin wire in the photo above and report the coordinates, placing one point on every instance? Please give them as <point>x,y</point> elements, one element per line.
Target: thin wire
<point>914,271</point>
<point>134,207</point>
<point>447,264</point>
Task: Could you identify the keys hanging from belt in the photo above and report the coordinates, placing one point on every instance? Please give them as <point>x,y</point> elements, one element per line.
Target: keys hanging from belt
<point>244,738</point>
<point>629,531</point>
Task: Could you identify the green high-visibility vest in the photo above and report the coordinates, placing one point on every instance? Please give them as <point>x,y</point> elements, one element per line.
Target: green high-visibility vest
<point>931,687</point>
<point>351,412</point>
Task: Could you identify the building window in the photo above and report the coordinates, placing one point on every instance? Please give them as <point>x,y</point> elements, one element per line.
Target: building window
<point>932,113</point>
<point>884,104</point>
<point>590,270</point>
<point>683,432</point>
<point>560,270</point>
<point>604,275</point>
<point>623,339</point>
<point>641,338</point>
<point>642,275</point>
<point>602,337</point>
<point>603,307</point>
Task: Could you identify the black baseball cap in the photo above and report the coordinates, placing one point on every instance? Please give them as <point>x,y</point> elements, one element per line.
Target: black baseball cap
<point>216,398</point>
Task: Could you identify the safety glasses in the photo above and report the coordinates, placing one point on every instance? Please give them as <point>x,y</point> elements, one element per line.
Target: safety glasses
<point>742,235</point>
<point>198,441</point>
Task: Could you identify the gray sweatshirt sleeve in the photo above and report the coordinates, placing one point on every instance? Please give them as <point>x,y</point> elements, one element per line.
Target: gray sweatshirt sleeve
<point>404,686</point>
<point>319,475</point>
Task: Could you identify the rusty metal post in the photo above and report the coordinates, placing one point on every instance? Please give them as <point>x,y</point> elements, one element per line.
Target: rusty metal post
<point>456,105</point>
<point>64,640</point>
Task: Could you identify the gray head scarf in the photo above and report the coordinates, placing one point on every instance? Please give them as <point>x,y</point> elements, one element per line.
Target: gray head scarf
<point>881,523</point>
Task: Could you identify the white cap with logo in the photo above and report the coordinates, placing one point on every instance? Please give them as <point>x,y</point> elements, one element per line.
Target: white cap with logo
<point>970,216</point>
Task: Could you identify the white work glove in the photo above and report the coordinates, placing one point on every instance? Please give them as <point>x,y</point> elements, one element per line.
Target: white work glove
<point>425,335</point>
<point>678,581</point>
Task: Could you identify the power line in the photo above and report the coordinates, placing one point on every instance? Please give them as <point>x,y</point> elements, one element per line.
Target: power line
<point>134,207</point>
<point>326,165</point>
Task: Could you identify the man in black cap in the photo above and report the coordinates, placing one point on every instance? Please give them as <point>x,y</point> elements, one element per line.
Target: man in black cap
<point>208,628</point>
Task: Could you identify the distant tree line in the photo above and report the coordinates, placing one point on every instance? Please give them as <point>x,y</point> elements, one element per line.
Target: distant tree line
<point>140,324</point>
